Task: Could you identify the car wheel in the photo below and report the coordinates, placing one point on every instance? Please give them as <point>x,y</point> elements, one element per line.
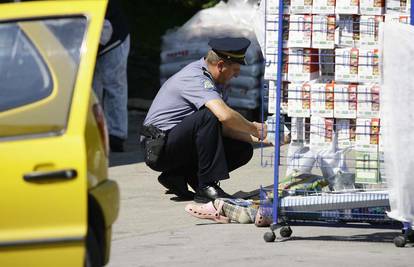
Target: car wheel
<point>93,252</point>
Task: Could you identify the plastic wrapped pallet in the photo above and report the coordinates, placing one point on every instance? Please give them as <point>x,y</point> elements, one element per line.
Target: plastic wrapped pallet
<point>181,46</point>
<point>244,93</point>
<point>246,103</point>
<point>397,97</point>
<point>168,69</point>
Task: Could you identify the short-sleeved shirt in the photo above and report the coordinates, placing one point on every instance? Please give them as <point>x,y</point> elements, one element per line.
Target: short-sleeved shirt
<point>181,95</point>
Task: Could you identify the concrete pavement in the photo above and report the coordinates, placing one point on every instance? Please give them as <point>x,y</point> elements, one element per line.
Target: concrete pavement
<point>153,230</point>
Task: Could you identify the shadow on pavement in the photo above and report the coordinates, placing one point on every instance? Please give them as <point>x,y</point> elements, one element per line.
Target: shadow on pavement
<point>382,237</point>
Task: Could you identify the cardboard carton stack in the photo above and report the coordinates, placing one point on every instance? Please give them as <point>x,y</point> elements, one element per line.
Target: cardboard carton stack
<point>331,72</point>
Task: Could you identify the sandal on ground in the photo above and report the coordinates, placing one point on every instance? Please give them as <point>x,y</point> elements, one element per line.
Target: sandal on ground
<point>263,217</point>
<point>207,211</point>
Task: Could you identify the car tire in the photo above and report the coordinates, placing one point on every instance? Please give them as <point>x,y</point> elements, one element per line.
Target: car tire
<point>93,253</point>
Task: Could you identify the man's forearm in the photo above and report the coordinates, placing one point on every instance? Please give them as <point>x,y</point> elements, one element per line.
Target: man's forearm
<point>236,122</point>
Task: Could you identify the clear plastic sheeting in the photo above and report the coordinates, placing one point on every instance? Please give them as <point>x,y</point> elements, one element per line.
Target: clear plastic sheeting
<point>397,117</point>
<point>234,18</point>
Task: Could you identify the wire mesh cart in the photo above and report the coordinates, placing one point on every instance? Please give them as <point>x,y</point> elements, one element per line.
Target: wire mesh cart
<point>322,106</point>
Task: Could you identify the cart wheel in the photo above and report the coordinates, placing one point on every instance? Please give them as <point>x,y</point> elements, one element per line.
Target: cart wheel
<point>286,231</point>
<point>269,236</point>
<point>399,241</point>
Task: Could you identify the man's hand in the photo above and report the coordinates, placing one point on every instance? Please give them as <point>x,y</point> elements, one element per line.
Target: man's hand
<point>265,141</point>
<point>261,130</point>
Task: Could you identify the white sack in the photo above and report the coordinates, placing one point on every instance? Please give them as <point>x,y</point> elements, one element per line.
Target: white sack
<point>246,82</point>
<point>233,19</point>
<point>244,93</point>
<point>253,70</point>
<point>187,52</point>
<point>397,120</point>
<point>197,50</point>
<point>169,69</point>
<point>242,103</point>
<point>224,19</point>
<point>259,22</point>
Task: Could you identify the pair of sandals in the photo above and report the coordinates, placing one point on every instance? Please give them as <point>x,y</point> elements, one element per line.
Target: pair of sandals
<point>208,211</point>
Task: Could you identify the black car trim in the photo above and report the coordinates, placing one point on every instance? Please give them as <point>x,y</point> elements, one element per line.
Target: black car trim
<point>42,241</point>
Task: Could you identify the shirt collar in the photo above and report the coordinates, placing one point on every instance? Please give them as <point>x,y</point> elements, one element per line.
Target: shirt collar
<point>219,87</point>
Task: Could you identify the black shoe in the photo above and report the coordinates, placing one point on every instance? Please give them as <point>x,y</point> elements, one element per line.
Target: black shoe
<point>116,144</point>
<point>176,185</point>
<point>210,193</point>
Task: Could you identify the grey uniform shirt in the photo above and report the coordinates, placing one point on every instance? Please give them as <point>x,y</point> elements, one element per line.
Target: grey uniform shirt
<point>182,95</point>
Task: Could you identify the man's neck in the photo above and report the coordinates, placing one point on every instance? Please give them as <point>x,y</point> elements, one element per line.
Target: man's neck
<point>213,71</point>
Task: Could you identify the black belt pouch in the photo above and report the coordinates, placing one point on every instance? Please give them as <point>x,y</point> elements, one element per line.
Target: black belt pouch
<point>154,144</point>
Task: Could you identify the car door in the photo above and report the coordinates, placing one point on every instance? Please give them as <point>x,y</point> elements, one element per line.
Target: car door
<point>47,58</point>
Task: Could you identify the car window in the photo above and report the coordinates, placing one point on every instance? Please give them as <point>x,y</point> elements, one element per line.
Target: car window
<point>39,60</point>
<point>70,34</point>
<point>23,74</point>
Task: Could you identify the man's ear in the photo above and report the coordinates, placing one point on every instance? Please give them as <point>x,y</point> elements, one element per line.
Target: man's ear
<point>220,65</point>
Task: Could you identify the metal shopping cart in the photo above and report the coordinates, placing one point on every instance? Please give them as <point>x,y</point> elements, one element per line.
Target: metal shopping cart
<point>323,92</point>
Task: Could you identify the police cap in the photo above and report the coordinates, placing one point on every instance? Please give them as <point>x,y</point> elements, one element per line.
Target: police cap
<point>232,49</point>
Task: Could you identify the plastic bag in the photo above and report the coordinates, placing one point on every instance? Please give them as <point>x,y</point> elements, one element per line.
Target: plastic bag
<point>300,159</point>
<point>397,122</point>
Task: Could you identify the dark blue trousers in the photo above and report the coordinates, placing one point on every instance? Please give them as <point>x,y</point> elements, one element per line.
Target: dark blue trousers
<point>196,148</point>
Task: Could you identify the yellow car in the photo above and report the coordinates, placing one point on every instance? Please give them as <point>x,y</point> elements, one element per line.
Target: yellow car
<point>56,203</point>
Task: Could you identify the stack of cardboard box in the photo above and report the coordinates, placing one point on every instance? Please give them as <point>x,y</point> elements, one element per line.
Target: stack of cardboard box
<point>331,72</point>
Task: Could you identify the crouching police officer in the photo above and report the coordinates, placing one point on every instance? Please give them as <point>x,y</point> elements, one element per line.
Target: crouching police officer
<point>192,135</point>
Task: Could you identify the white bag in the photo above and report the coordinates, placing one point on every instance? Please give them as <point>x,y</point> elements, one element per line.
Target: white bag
<point>397,123</point>
<point>333,160</point>
<point>300,159</point>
